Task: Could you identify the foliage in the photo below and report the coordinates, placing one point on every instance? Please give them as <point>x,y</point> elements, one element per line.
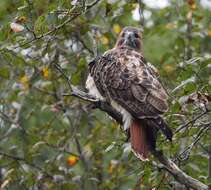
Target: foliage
<point>53,141</point>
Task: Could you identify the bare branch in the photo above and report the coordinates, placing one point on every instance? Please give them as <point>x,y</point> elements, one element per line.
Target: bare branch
<point>178,174</point>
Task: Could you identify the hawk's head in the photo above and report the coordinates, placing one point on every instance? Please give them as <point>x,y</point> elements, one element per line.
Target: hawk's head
<point>130,37</point>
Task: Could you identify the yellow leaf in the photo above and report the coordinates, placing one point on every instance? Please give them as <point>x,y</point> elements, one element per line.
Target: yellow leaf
<point>104,40</point>
<point>21,19</point>
<point>192,4</point>
<point>117,28</point>
<point>16,27</point>
<point>168,68</point>
<point>45,72</point>
<point>24,80</point>
<point>72,160</point>
<point>171,26</point>
<point>110,169</point>
<point>112,166</point>
<point>209,32</point>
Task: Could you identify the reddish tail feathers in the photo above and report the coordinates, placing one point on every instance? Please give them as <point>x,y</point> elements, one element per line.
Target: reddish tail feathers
<point>138,140</point>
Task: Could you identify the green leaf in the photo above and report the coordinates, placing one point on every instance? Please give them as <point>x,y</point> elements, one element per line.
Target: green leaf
<point>41,25</point>
<point>5,73</point>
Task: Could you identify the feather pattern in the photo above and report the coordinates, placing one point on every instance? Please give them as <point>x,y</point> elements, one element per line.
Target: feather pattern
<point>123,78</point>
<point>123,75</point>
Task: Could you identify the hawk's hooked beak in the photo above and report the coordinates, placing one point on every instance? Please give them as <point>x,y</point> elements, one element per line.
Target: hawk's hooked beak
<point>131,40</point>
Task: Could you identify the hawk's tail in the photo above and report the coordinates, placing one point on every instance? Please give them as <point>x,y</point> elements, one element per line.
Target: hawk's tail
<point>138,138</point>
<point>143,135</point>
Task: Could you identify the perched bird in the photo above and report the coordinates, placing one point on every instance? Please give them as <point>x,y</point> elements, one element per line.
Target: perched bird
<point>123,78</point>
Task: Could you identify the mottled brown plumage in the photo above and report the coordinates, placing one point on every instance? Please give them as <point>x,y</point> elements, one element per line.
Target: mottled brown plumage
<point>125,79</point>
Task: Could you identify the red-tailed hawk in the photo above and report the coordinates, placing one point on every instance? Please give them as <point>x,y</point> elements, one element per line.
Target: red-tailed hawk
<point>123,78</point>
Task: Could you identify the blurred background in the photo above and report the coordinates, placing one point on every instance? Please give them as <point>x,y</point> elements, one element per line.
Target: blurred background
<point>49,140</point>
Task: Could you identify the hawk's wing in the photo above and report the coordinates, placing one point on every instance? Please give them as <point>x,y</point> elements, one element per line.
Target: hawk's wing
<point>124,76</point>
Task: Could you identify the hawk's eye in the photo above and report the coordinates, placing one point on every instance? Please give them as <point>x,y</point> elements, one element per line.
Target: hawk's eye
<point>136,35</point>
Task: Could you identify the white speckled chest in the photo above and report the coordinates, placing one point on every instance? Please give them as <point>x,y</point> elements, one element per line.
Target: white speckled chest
<point>91,87</point>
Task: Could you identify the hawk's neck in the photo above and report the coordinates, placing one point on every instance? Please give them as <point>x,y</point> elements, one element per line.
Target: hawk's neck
<point>124,47</point>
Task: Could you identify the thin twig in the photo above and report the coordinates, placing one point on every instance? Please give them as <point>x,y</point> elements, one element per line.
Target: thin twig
<point>16,158</point>
<point>190,122</point>
<point>185,154</point>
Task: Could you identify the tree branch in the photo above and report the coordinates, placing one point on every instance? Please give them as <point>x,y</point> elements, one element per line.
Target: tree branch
<point>167,163</point>
<point>178,174</point>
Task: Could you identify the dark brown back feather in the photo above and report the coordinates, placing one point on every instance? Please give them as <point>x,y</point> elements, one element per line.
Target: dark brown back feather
<point>124,76</point>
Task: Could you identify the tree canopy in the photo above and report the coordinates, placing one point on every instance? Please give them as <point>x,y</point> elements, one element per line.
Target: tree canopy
<point>50,135</point>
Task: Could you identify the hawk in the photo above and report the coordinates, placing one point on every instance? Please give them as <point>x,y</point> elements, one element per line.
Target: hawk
<point>123,78</point>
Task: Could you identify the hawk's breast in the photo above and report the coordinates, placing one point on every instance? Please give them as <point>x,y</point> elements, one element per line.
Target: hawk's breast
<point>91,87</point>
